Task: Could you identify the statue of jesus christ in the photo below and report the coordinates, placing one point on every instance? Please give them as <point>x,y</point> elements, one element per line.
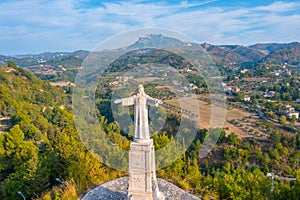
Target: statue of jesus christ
<point>140,101</point>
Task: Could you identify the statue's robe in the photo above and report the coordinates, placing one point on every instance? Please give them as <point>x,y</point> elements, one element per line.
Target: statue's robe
<point>141,124</point>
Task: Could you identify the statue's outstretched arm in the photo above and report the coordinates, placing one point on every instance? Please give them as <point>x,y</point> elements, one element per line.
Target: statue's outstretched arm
<point>153,102</point>
<point>129,101</point>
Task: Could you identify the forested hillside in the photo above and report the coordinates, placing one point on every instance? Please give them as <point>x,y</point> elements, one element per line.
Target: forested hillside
<point>289,55</point>
<point>40,143</point>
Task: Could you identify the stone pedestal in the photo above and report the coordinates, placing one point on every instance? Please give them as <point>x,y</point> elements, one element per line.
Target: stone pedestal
<point>142,177</point>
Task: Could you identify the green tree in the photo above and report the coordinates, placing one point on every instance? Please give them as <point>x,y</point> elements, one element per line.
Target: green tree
<point>11,64</point>
<point>293,119</point>
<point>233,139</point>
<point>282,119</point>
<point>255,101</point>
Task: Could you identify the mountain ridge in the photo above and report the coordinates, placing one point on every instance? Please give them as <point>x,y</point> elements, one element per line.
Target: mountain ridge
<point>251,56</point>
<point>157,41</point>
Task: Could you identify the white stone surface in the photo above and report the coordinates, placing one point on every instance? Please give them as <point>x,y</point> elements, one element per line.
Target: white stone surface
<point>142,172</point>
<point>117,190</point>
<point>142,176</point>
<point>140,101</point>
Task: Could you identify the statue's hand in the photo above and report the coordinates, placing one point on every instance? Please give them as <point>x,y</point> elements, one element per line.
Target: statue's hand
<point>118,101</point>
<point>158,102</point>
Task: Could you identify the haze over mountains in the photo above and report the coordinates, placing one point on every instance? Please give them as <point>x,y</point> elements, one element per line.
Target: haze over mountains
<point>246,56</point>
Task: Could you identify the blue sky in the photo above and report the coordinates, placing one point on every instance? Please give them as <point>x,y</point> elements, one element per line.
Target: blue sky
<point>34,26</point>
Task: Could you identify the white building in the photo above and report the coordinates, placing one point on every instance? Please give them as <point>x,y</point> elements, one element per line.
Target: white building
<point>243,71</point>
<point>247,98</point>
<point>289,111</point>
<point>269,94</point>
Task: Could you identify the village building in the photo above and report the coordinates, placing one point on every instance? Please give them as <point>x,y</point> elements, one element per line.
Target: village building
<point>247,98</point>
<point>288,111</point>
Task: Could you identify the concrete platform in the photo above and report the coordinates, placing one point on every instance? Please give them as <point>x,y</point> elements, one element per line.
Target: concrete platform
<point>117,190</point>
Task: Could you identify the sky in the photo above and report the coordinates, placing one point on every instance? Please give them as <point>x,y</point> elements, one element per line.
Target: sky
<point>35,26</point>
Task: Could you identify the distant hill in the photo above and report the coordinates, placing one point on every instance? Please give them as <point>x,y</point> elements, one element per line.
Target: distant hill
<point>28,60</point>
<point>68,62</point>
<point>239,54</point>
<point>224,54</point>
<point>155,41</point>
<point>54,55</point>
<point>252,55</point>
<point>289,55</point>
<point>268,48</point>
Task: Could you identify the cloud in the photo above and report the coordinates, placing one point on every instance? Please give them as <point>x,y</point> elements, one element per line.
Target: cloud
<point>278,6</point>
<point>28,26</point>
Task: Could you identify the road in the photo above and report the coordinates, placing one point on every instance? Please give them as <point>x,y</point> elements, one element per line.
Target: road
<point>262,115</point>
<point>285,178</point>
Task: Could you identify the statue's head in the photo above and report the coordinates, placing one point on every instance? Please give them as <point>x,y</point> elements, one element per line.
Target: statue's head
<point>141,89</point>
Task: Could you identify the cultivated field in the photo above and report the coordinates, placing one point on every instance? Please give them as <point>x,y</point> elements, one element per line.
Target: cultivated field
<point>221,116</point>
